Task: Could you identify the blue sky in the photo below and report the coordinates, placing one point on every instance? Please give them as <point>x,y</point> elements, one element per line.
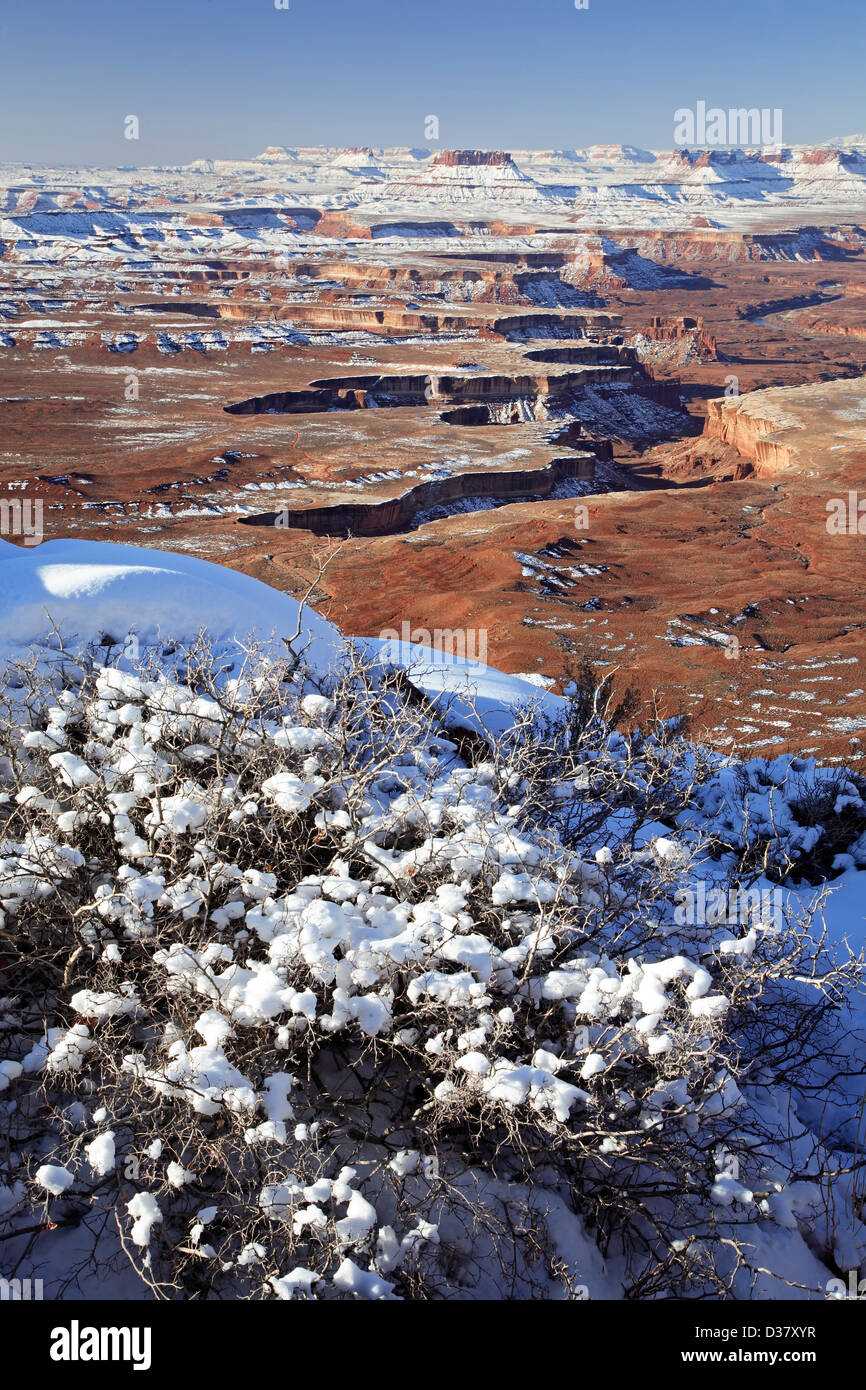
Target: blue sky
<point>225,78</point>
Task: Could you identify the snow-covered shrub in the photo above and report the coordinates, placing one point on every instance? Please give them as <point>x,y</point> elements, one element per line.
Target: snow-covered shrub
<point>306,995</point>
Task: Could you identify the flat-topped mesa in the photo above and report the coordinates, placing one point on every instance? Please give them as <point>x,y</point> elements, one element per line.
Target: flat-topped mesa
<point>463,158</point>
<point>815,430</point>
<point>695,243</point>
<point>846,159</point>
<point>711,159</point>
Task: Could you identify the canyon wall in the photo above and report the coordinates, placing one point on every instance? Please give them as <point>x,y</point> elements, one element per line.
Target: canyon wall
<point>397,513</point>
<point>353,393</point>
<point>732,421</point>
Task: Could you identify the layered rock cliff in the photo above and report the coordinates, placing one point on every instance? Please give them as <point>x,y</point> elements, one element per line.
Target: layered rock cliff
<point>454,159</point>
<point>399,513</point>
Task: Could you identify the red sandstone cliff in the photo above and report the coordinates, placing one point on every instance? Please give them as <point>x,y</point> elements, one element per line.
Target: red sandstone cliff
<point>455,158</point>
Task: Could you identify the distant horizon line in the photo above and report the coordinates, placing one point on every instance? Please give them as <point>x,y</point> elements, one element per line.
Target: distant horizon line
<point>837,142</point>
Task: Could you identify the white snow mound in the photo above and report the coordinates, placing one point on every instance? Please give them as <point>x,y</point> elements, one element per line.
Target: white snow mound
<point>91,590</point>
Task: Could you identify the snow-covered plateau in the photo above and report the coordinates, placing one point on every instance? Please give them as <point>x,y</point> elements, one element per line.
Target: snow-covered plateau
<point>622,184</point>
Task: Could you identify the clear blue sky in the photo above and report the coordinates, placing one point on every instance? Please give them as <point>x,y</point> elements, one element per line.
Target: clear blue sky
<point>225,78</point>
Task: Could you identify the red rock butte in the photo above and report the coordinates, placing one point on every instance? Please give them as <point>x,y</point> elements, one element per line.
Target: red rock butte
<point>459,158</point>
